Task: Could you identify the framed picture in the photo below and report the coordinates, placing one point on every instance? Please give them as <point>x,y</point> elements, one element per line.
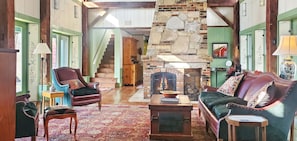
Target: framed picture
<point>219,50</point>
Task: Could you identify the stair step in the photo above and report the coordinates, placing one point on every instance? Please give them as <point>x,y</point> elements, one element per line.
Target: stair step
<point>106,75</point>
<point>107,85</point>
<point>103,80</point>
<point>107,66</point>
<point>105,70</point>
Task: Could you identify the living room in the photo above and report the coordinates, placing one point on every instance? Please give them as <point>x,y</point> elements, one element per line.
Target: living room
<point>78,32</point>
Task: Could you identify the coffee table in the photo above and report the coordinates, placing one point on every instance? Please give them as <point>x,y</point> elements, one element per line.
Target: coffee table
<point>170,121</point>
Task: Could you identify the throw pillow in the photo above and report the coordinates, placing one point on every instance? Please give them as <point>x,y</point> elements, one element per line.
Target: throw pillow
<point>74,83</point>
<point>230,85</point>
<point>263,96</point>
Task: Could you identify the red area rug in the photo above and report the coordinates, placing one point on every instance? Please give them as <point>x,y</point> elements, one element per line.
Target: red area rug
<point>112,123</point>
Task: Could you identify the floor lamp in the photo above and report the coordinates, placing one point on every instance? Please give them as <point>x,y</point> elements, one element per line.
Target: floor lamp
<point>42,49</point>
<point>287,47</point>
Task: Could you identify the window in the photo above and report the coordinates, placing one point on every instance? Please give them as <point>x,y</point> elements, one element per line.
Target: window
<point>21,64</point>
<point>60,50</point>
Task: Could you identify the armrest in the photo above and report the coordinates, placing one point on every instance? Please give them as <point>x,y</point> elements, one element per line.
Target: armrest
<point>24,97</point>
<point>237,109</point>
<point>26,111</point>
<point>93,85</point>
<point>209,89</point>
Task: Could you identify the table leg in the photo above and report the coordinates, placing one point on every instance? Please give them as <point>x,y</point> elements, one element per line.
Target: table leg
<point>229,133</point>
<point>292,131</point>
<point>233,133</point>
<point>263,133</point>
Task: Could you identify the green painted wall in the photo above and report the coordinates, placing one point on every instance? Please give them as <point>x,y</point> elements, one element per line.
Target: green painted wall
<point>219,35</point>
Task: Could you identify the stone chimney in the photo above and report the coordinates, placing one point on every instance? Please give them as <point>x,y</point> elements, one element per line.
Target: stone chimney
<point>178,44</point>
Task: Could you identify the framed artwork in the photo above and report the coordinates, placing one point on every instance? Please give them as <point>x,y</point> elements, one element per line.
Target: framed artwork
<point>219,50</point>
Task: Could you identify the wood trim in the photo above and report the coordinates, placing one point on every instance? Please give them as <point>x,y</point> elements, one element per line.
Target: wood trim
<point>45,32</point>
<point>85,44</point>
<point>221,3</point>
<point>271,34</point>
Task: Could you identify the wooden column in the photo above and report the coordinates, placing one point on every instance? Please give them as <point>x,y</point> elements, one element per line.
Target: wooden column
<point>7,24</point>
<point>271,34</point>
<point>236,25</point>
<point>85,42</point>
<point>45,32</point>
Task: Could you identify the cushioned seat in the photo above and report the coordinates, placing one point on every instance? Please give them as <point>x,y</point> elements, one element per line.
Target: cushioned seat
<point>59,112</point>
<point>77,92</point>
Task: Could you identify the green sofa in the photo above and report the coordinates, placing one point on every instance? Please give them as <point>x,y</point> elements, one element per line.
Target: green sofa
<point>279,110</point>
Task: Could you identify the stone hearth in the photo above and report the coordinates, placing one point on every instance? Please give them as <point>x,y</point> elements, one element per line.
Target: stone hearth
<point>178,45</point>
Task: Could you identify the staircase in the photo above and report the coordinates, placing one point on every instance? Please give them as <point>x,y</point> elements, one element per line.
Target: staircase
<point>105,72</point>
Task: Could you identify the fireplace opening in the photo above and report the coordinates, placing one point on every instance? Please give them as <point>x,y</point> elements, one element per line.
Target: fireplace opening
<point>162,81</point>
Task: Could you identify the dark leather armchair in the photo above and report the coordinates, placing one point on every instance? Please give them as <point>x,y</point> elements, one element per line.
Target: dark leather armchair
<point>77,92</point>
<point>27,118</point>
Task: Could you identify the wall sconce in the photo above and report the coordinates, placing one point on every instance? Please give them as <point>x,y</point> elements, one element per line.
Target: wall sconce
<point>243,9</point>
<point>261,2</point>
<point>56,4</point>
<point>75,11</point>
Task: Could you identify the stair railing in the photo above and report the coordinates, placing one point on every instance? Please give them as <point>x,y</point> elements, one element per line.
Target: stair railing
<point>101,47</point>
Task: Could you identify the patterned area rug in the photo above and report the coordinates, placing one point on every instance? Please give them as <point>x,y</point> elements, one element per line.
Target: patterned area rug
<point>112,123</point>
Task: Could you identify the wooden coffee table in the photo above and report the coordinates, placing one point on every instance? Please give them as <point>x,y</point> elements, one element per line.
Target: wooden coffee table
<point>170,121</point>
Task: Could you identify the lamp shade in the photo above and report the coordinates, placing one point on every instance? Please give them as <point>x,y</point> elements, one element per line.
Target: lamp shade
<point>287,46</point>
<point>42,48</point>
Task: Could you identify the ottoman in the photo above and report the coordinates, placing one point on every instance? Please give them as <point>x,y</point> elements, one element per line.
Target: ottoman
<point>59,112</point>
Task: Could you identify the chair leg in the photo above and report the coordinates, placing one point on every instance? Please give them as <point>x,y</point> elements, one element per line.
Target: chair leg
<point>99,105</point>
<point>70,124</point>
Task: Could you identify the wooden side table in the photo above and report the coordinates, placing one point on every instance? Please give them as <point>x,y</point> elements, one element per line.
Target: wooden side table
<point>52,96</point>
<point>246,120</point>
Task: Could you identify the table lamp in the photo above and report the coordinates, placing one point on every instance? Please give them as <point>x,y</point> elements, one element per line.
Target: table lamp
<point>287,47</point>
<point>42,49</point>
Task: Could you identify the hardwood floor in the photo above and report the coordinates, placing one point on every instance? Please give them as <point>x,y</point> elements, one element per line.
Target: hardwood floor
<point>120,96</point>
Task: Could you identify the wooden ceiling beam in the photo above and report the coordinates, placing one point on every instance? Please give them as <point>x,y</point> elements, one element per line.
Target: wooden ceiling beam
<point>230,24</point>
<point>221,3</point>
<point>126,4</point>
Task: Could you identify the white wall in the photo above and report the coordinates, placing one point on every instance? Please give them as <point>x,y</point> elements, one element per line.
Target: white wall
<point>28,7</point>
<point>286,5</point>
<point>63,16</point>
<point>255,14</point>
<point>126,18</point>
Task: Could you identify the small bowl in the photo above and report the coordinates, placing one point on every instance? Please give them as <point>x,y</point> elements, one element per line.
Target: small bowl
<point>170,94</point>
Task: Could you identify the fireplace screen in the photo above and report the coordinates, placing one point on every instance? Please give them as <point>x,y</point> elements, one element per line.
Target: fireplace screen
<point>162,81</point>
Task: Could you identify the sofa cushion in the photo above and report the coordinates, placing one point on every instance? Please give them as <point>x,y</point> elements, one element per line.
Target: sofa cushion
<point>84,91</point>
<point>229,87</point>
<point>220,111</point>
<point>73,83</point>
<point>263,96</point>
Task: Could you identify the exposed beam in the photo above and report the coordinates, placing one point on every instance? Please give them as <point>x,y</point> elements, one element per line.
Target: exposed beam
<point>126,4</point>
<point>221,3</point>
<point>271,34</point>
<point>85,42</point>
<point>236,25</point>
<point>7,24</point>
<point>45,32</point>
<point>222,16</point>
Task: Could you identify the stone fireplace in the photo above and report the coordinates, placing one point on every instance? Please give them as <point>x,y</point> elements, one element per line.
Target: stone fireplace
<point>177,54</point>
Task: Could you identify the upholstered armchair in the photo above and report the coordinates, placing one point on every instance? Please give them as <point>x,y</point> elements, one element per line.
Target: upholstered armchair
<point>77,92</point>
<point>26,118</point>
